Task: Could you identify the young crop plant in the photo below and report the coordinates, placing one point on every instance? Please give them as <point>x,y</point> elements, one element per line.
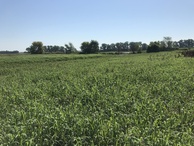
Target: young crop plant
<point>141,99</point>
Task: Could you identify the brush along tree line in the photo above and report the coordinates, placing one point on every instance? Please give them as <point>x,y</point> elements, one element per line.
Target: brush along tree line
<point>93,47</point>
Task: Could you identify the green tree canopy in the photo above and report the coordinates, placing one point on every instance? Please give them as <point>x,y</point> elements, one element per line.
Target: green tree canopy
<point>36,48</point>
<point>144,46</point>
<point>70,48</point>
<point>153,47</point>
<point>88,48</point>
<point>134,46</point>
<point>94,46</point>
<point>85,47</point>
<point>104,47</point>
<point>167,43</point>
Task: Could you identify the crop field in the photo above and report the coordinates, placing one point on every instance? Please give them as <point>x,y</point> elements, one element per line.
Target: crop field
<point>141,99</point>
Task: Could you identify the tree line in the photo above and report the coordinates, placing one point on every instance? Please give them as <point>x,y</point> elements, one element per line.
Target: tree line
<point>9,52</point>
<point>38,48</point>
<point>168,45</point>
<point>93,47</point>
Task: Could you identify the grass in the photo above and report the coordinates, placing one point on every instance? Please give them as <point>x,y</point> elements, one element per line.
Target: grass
<point>28,58</point>
<point>141,99</point>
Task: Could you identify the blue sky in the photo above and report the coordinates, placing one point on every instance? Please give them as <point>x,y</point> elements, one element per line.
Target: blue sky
<point>57,22</point>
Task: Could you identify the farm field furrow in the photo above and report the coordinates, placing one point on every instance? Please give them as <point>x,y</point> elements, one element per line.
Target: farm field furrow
<point>141,99</point>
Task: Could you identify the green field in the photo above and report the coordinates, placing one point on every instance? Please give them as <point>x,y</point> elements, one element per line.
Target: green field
<point>140,99</point>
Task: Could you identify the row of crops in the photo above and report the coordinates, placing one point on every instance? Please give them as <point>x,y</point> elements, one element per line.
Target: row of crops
<point>145,99</point>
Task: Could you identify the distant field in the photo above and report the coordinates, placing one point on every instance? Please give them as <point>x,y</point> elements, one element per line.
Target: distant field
<point>26,58</point>
<point>141,99</point>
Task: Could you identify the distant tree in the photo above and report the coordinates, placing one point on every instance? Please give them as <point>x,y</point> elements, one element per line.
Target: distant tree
<point>139,50</point>
<point>176,45</point>
<point>126,46</point>
<point>48,49</point>
<point>54,49</point>
<point>134,46</point>
<point>168,43</point>
<point>85,47</point>
<point>144,46</point>
<point>153,47</point>
<point>28,49</point>
<point>9,52</point>
<point>104,47</point>
<point>189,43</point>
<point>112,47</point>
<point>119,47</point>
<point>70,48</point>
<point>181,43</point>
<point>62,49</point>
<point>94,46</point>
<point>88,48</point>
<point>37,48</point>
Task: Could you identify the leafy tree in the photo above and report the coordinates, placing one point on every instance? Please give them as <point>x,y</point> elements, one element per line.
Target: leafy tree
<point>119,47</point>
<point>189,43</point>
<point>48,49</point>
<point>181,43</point>
<point>126,46</point>
<point>62,49</point>
<point>70,48</point>
<point>37,48</point>
<point>167,43</point>
<point>176,45</point>
<point>112,47</point>
<point>28,49</point>
<point>115,47</point>
<point>144,46</point>
<point>85,47</point>
<point>104,47</point>
<point>139,50</point>
<point>54,49</point>
<point>134,46</point>
<point>88,48</point>
<point>153,47</point>
<point>94,46</point>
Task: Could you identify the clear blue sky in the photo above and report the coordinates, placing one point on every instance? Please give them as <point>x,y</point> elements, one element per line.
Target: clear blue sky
<point>56,22</point>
